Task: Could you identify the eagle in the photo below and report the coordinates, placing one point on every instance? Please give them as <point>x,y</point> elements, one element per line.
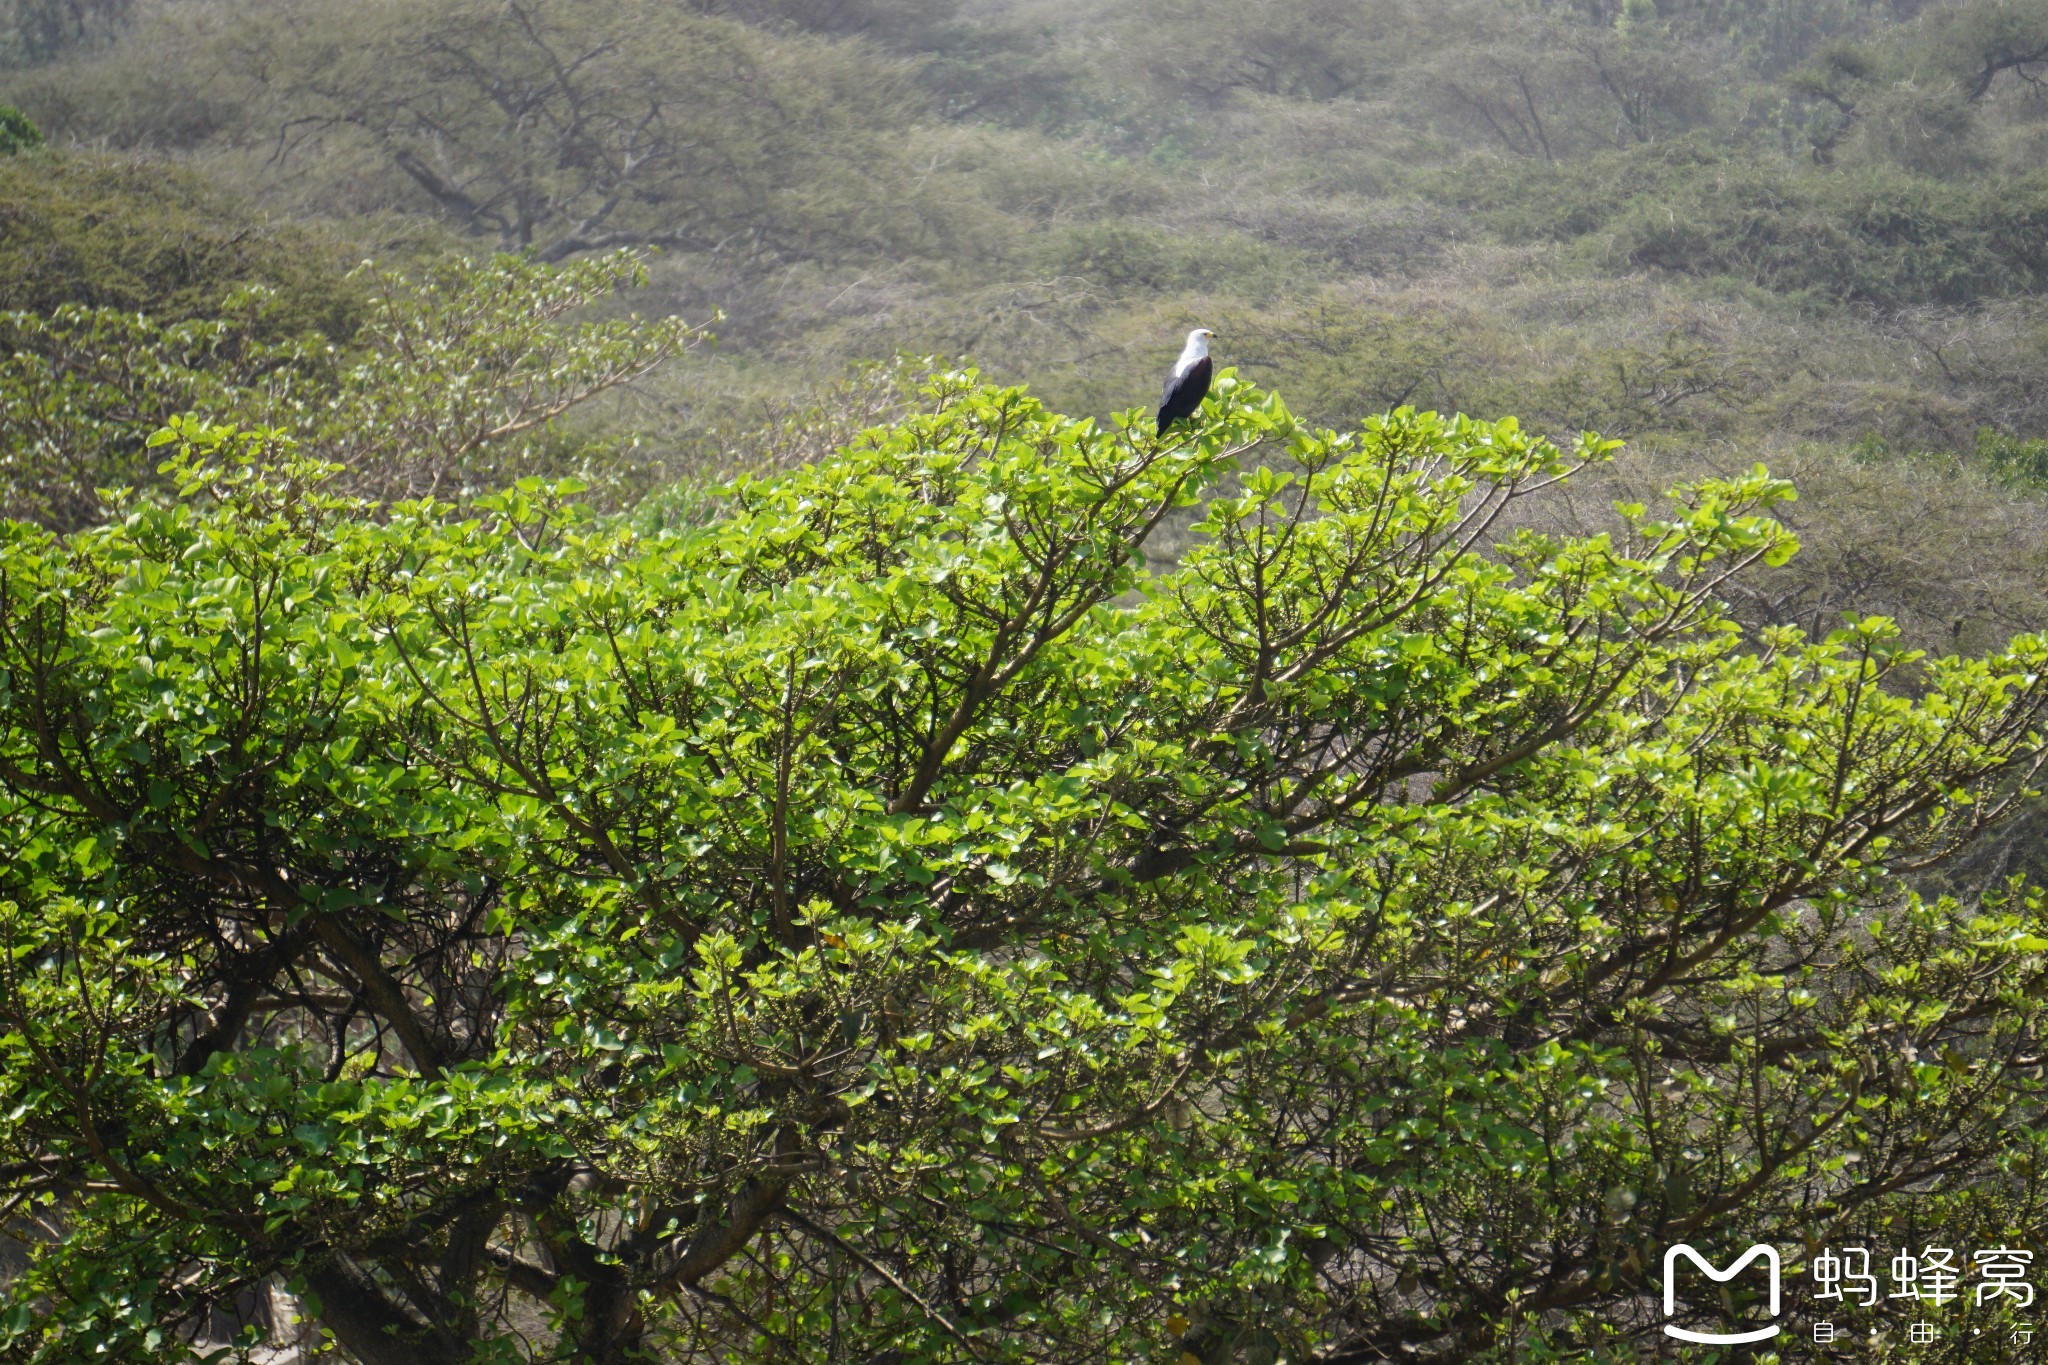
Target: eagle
<point>1189,381</point>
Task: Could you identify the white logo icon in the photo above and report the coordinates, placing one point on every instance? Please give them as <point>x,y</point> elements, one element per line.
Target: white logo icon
<point>1671,1256</point>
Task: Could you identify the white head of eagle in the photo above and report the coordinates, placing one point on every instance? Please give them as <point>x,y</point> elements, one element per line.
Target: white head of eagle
<point>1188,383</point>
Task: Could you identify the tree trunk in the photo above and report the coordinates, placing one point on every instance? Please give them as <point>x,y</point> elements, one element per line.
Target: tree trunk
<point>368,1322</point>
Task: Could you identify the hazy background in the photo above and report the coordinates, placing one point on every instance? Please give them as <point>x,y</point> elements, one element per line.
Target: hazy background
<point>1809,232</point>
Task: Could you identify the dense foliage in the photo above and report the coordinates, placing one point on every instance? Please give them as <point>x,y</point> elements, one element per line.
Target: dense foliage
<point>896,921</point>
<point>986,886</point>
<point>18,132</point>
<point>148,238</point>
<point>444,388</point>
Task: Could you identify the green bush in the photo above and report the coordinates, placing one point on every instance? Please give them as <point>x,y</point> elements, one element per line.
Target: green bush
<point>1882,238</point>
<point>1136,258</point>
<point>2016,459</point>
<point>1863,234</point>
<point>18,133</point>
<point>146,237</point>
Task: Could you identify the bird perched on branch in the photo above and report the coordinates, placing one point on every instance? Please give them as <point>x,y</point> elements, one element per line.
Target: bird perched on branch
<point>1188,383</point>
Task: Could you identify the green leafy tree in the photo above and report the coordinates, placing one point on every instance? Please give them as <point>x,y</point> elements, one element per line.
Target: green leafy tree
<point>451,385</point>
<point>891,922</point>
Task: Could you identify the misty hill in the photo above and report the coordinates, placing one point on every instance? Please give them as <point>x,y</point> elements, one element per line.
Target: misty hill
<point>1809,231</point>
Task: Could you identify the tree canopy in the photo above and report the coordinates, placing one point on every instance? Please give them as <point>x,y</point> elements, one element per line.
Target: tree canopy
<point>111,232</point>
<point>901,920</point>
<point>566,126</point>
<point>444,386</point>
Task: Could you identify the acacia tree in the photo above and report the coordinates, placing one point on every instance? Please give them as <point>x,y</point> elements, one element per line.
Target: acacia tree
<point>554,127</point>
<point>895,922</point>
<point>1921,92</point>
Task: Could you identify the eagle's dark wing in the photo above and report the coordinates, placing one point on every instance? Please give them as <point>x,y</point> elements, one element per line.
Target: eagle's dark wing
<point>1184,393</point>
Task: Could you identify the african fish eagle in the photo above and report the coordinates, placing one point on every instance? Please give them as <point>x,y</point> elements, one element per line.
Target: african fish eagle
<point>1188,383</point>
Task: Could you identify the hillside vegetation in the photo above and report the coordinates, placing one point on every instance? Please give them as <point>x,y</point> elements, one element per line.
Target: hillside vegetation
<point>1814,231</point>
